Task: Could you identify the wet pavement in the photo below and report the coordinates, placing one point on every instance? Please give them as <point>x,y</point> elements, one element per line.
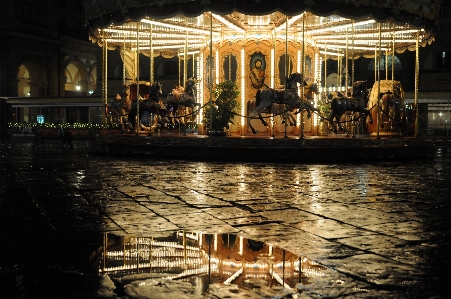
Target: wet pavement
<point>76,225</point>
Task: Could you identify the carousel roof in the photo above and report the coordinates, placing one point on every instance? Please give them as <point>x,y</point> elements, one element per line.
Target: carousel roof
<point>330,25</point>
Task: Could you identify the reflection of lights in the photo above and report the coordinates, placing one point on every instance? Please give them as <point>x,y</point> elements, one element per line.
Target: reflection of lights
<point>141,254</point>
<point>279,280</point>
<point>241,245</point>
<point>243,94</point>
<point>235,275</point>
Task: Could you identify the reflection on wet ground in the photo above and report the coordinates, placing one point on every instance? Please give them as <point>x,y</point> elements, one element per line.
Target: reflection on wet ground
<point>203,259</point>
<point>359,230</point>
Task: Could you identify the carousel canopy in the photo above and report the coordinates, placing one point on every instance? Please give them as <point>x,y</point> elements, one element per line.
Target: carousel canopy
<point>332,26</point>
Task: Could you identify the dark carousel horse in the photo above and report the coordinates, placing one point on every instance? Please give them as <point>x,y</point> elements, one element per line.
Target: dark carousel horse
<point>183,97</point>
<point>151,103</point>
<point>356,102</point>
<point>265,98</point>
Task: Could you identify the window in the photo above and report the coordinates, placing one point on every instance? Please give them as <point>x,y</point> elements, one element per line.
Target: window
<point>443,60</point>
<point>383,63</point>
<point>26,13</point>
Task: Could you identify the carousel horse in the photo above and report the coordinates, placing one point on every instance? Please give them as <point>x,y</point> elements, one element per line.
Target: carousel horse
<point>119,108</point>
<point>182,98</point>
<point>287,96</point>
<point>116,110</point>
<point>391,106</point>
<point>287,117</point>
<point>151,103</point>
<point>341,103</point>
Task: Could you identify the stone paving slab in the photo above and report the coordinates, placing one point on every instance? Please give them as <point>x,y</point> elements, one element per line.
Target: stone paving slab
<point>381,231</point>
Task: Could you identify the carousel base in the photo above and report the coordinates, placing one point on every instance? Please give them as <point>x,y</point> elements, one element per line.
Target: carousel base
<point>310,149</point>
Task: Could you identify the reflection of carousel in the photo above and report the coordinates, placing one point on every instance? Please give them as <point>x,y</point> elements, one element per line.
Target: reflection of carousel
<point>226,258</point>
<point>217,41</point>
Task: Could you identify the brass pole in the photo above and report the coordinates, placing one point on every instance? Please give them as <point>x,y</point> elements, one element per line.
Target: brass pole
<point>417,69</point>
<point>123,63</point>
<point>287,60</point>
<point>179,71</point>
<point>303,74</point>
<point>137,78</point>
<point>379,84</point>
<point>325,69</point>
<point>230,67</point>
<point>375,64</point>
<point>210,70</point>
<point>152,67</point>
<point>386,63</point>
<point>338,71</point>
<point>352,53</point>
<point>185,61</point>
<point>346,63</point>
<point>393,60</point>
<point>104,76</point>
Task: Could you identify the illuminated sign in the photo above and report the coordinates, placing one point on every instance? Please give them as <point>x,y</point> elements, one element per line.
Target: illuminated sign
<point>40,119</point>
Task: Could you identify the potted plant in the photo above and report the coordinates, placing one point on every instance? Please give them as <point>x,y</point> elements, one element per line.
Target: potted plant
<point>323,104</point>
<point>222,109</point>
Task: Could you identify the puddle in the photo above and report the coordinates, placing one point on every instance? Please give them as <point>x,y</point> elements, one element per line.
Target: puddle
<point>202,260</point>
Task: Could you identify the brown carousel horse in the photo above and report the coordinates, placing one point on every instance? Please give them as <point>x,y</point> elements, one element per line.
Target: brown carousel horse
<point>182,98</point>
<point>356,102</point>
<point>391,107</point>
<point>265,98</point>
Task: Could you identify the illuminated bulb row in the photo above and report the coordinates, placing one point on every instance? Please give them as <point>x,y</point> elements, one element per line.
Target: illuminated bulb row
<point>154,264</point>
<point>173,245</point>
<point>256,265</point>
<point>156,253</point>
<point>313,273</point>
<point>280,264</point>
<point>232,264</point>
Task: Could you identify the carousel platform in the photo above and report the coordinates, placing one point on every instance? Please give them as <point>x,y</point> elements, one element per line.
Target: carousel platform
<point>260,148</point>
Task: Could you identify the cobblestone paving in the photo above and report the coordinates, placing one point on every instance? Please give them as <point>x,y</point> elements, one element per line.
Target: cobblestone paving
<point>383,230</point>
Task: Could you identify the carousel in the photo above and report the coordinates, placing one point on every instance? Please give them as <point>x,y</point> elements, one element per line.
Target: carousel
<point>262,68</point>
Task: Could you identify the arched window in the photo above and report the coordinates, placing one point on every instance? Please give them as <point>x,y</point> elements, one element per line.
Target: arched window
<point>167,69</point>
<point>283,71</point>
<point>383,62</point>
<point>118,71</point>
<point>443,60</point>
<point>23,86</point>
<point>75,81</point>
